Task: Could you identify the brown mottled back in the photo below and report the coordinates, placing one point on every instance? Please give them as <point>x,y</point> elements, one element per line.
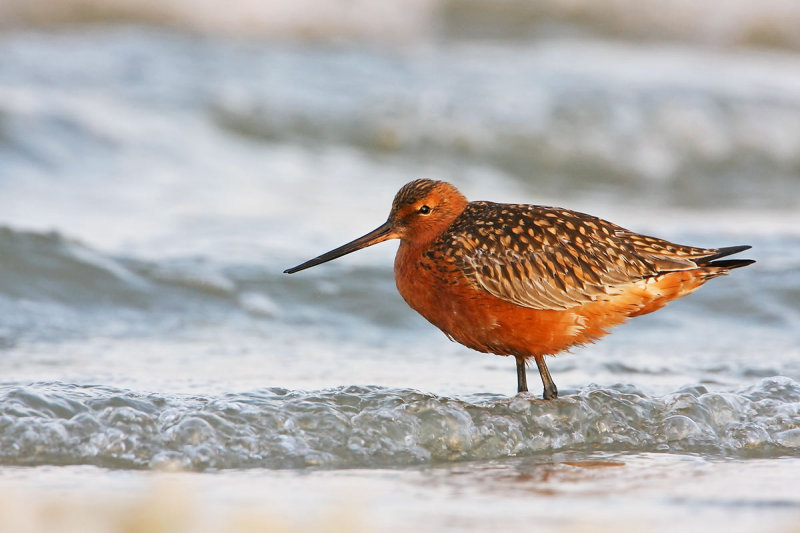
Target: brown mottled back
<point>550,258</point>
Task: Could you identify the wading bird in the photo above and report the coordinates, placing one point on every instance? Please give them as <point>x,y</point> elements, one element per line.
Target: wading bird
<point>528,280</point>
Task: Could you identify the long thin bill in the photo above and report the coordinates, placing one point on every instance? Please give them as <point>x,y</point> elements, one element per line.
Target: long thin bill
<point>382,233</point>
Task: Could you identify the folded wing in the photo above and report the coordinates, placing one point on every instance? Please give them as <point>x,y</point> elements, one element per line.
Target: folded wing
<point>549,258</point>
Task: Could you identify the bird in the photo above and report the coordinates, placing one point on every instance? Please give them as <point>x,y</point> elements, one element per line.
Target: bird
<point>528,281</point>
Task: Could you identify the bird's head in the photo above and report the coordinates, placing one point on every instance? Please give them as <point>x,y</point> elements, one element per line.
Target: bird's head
<point>421,210</point>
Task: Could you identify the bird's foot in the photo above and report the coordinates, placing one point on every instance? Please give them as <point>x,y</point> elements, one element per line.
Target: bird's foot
<point>550,393</point>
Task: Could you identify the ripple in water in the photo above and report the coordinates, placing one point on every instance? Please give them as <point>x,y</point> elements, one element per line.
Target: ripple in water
<point>56,423</point>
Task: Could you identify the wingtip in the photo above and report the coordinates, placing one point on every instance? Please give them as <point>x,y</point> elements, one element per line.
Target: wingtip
<point>726,251</point>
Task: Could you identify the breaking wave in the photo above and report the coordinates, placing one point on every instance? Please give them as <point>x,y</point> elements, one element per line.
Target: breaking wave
<point>57,423</point>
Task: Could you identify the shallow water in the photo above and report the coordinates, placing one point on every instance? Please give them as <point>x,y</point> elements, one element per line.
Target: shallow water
<point>154,185</point>
<point>54,423</point>
<point>613,492</point>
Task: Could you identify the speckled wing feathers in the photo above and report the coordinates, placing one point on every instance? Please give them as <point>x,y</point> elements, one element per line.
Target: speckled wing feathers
<point>548,258</point>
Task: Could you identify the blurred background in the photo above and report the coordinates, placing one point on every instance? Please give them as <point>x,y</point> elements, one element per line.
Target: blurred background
<point>161,163</point>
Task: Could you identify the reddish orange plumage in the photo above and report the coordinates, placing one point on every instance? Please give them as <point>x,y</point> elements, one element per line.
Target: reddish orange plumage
<point>527,280</point>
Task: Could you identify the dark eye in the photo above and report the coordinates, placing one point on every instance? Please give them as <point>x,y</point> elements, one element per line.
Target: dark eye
<point>424,210</point>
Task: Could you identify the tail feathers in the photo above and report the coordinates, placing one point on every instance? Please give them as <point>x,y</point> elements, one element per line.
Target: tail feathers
<point>727,264</point>
<point>714,267</point>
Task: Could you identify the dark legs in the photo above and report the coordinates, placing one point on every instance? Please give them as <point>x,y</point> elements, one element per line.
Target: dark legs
<point>550,390</point>
<point>522,380</point>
